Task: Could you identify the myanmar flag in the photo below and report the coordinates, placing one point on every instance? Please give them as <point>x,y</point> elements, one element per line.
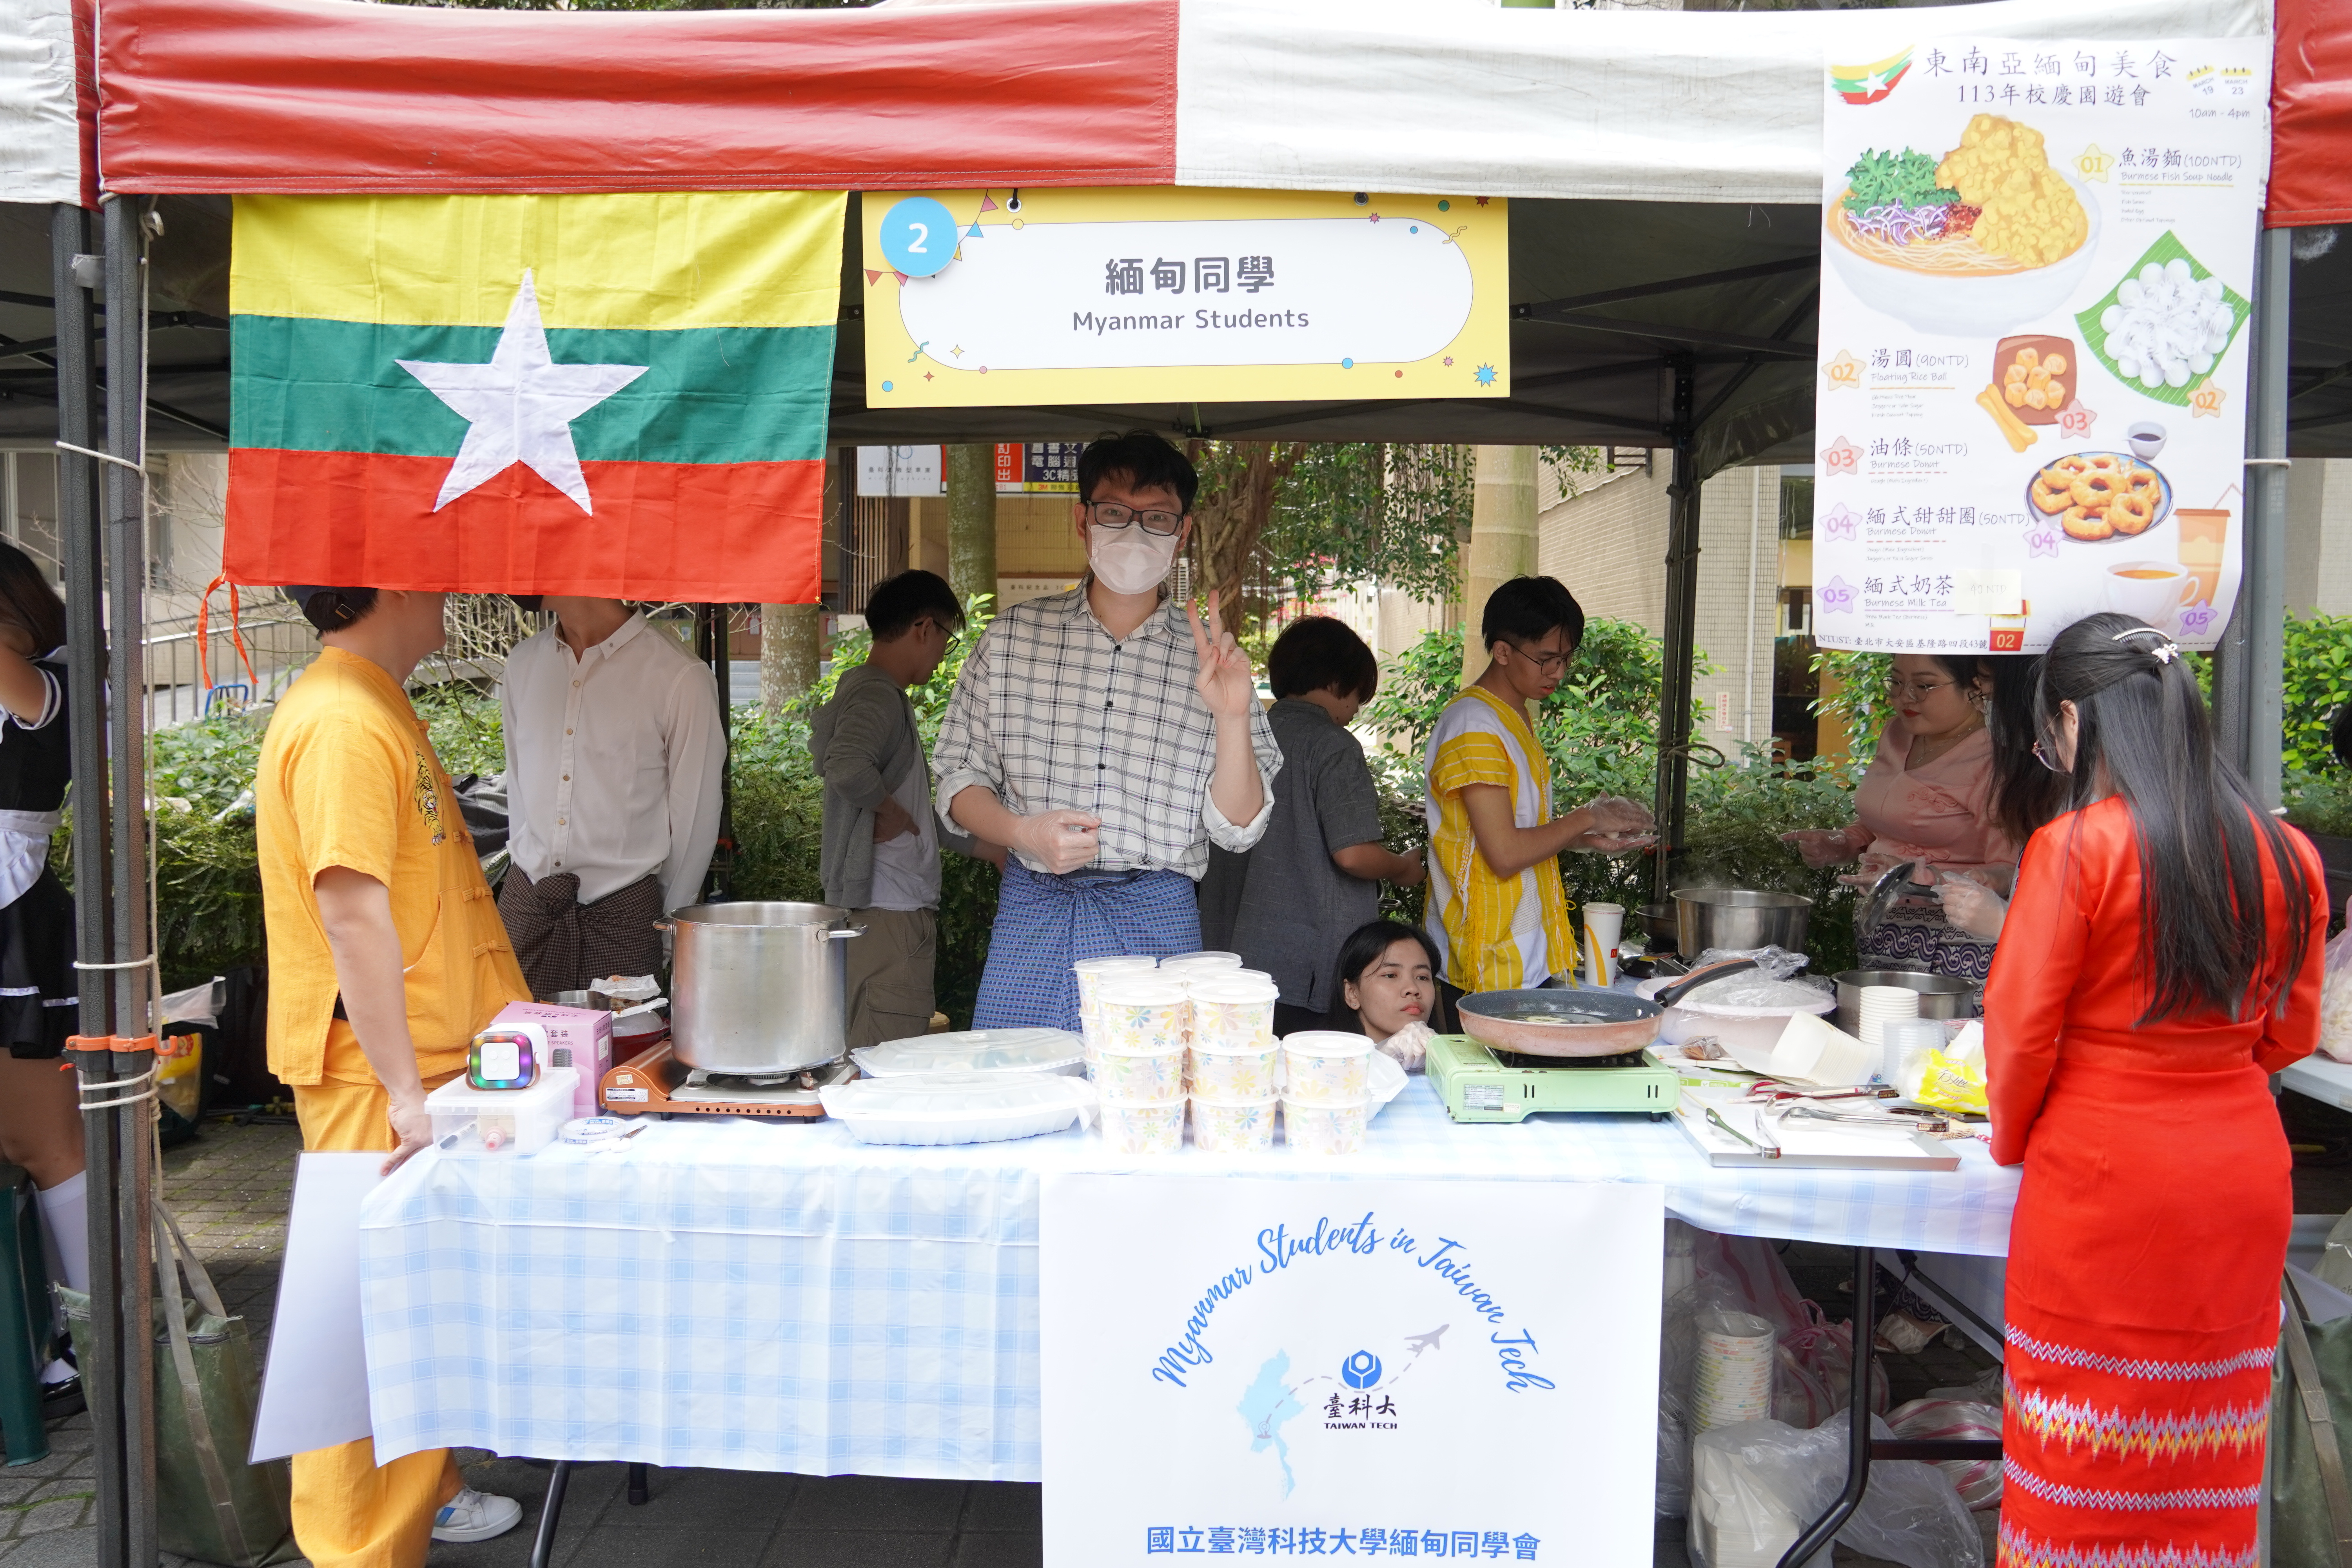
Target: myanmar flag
<point>611,394</point>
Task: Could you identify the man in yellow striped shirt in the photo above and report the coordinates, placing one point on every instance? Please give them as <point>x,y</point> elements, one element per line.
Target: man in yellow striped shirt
<point>1500,912</point>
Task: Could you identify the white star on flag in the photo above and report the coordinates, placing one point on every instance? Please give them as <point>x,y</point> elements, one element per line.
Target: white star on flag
<point>519,408</point>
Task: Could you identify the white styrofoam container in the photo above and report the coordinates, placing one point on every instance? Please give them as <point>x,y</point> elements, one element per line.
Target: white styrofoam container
<point>469,1122</point>
<point>958,1106</point>
<point>976,1050</point>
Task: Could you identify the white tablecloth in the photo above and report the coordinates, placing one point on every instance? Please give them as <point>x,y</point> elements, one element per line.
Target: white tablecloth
<point>753,1296</point>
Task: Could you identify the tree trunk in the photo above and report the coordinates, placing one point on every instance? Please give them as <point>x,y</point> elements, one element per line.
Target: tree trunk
<point>972,521</point>
<point>789,638</point>
<point>1502,540</point>
<point>1239,481</point>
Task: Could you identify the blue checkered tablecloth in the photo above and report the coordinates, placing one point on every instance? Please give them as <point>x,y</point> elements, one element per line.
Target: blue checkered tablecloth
<point>744,1296</point>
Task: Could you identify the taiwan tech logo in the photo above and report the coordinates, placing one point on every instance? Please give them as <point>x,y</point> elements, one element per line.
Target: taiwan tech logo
<point>1366,1406</point>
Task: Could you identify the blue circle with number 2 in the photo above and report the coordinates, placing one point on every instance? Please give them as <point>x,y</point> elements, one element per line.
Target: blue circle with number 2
<point>919,236</point>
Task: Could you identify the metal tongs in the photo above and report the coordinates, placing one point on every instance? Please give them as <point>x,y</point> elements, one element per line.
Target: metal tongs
<point>1768,1149</point>
<point>1894,1116</point>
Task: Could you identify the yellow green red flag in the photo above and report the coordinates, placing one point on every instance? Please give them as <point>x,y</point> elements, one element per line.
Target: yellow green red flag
<point>619,395</point>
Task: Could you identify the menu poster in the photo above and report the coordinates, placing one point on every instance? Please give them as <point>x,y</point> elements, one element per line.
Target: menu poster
<point>2035,338</point>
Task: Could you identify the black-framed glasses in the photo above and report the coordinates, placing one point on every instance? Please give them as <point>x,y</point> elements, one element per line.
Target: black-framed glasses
<point>1550,663</point>
<point>1114,516</point>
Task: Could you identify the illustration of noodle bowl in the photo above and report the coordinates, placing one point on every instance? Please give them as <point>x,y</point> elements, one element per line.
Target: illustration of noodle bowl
<point>1950,244</point>
<point>1041,296</point>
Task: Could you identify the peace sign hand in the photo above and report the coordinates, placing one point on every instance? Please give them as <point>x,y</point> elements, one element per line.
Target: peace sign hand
<point>1225,682</point>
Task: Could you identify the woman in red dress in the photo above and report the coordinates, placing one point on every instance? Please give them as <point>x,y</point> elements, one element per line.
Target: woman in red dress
<point>2136,1004</point>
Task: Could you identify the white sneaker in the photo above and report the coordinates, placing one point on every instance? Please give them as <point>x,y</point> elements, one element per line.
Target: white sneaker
<point>476,1516</point>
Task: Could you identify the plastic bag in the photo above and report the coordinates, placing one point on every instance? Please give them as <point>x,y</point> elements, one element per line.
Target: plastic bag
<point>1953,1081</point>
<point>2335,999</point>
<point>1775,962</point>
<point>1752,988</point>
<point>1816,1372</point>
<point>1931,1419</point>
<point>1755,1486</point>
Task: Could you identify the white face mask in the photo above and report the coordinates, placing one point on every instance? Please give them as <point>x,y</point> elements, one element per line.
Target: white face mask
<point>1127,560</point>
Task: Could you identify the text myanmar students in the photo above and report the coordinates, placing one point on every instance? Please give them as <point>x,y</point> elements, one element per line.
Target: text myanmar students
<point>1497,907</point>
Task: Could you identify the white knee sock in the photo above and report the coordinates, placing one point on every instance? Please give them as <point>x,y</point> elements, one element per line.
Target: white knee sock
<point>65,1222</point>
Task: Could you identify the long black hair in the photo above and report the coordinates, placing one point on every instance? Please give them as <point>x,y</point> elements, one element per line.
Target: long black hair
<point>2142,734</point>
<point>2025,794</point>
<point>1360,952</point>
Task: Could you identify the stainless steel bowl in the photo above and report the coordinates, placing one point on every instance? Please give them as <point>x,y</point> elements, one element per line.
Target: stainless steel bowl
<point>1736,918</point>
<point>1940,995</point>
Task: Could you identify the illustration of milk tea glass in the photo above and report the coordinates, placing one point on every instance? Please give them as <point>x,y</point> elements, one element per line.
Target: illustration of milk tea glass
<point>2153,591</point>
<point>2204,531</point>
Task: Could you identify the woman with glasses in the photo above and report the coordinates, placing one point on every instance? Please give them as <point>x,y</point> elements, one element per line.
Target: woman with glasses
<point>2163,958</point>
<point>1926,797</point>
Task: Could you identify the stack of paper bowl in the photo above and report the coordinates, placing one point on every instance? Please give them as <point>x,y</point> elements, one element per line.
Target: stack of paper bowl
<point>1091,973</point>
<point>1143,1128</point>
<point>1326,1102</point>
<point>1882,1004</point>
<point>1233,1126</point>
<point>1731,1377</point>
<point>1235,1060</point>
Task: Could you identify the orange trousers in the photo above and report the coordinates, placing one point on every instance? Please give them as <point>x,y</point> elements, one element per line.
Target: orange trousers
<point>349,1511</point>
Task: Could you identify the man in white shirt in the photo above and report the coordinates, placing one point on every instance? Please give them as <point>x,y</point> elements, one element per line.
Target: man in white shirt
<point>614,747</point>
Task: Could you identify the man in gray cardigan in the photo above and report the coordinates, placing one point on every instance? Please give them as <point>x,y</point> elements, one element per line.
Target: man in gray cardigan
<point>881,851</point>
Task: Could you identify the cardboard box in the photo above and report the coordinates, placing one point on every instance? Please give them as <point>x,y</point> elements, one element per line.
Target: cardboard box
<point>587,1032</point>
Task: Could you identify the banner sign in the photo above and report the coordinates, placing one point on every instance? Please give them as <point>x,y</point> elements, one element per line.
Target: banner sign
<point>1358,1368</point>
<point>1029,468</point>
<point>2034,340</point>
<point>885,471</point>
<point>1150,294</point>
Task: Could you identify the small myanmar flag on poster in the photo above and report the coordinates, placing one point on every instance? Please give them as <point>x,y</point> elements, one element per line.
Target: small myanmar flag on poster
<point>611,394</point>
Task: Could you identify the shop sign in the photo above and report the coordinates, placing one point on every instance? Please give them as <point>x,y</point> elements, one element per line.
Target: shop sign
<point>1037,467</point>
<point>1154,294</point>
<point>2037,263</point>
<point>1239,1367</point>
<point>885,471</point>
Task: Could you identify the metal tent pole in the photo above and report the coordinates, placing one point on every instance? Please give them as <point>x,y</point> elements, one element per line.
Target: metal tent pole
<point>134,982</point>
<point>74,272</point>
<point>2262,592</point>
<point>1682,611</point>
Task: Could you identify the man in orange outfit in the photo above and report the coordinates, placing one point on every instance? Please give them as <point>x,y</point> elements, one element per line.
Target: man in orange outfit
<point>385,955</point>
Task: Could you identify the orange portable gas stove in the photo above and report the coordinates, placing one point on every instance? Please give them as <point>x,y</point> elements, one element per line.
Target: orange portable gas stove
<point>659,1081</point>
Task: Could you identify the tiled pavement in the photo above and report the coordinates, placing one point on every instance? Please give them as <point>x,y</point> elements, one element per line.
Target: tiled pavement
<point>229,1188</point>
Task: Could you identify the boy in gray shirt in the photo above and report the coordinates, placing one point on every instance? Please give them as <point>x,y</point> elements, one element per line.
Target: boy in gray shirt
<point>1287,904</point>
<point>880,857</point>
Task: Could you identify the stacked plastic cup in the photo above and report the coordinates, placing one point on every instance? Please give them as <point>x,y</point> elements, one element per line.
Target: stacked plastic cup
<point>1731,1377</point>
<point>1907,1042</point>
<point>1091,973</point>
<point>1326,1103</point>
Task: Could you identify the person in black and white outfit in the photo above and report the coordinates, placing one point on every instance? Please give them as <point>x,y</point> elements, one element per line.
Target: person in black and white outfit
<point>40,1118</point>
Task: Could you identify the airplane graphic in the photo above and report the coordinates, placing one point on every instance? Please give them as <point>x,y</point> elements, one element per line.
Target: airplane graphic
<point>1428,1341</point>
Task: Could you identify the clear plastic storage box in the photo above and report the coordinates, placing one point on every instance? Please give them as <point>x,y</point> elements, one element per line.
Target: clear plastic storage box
<point>976,1050</point>
<point>958,1106</point>
<point>471,1122</point>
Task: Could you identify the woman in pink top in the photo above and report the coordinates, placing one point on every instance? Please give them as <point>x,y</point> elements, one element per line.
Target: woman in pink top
<point>1933,794</point>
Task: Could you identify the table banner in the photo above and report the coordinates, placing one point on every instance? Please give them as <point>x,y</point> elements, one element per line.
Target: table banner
<point>1361,1368</point>
<point>1150,294</point>
<point>2034,337</point>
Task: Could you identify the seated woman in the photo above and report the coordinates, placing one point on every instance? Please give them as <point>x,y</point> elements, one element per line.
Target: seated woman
<point>1386,988</point>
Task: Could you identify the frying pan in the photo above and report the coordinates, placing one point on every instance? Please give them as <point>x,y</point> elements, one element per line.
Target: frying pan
<point>1559,1022</point>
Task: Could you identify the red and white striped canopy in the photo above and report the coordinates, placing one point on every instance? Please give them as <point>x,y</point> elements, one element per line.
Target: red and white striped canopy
<point>1454,96</point>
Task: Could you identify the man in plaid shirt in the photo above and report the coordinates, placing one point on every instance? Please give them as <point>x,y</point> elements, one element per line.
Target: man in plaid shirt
<point>1109,737</point>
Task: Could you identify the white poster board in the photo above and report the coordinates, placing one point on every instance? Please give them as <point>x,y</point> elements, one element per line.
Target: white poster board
<point>1308,1367</point>
<point>315,1392</point>
<point>2036,273</point>
<point>901,471</point>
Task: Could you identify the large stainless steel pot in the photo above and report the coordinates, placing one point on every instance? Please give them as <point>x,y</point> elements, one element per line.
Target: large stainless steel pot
<point>758,987</point>
<point>1737,919</point>
<point>1940,995</point>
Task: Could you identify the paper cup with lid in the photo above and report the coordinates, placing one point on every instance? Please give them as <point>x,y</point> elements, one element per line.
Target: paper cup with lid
<point>1228,1125</point>
<point>1141,1013</point>
<point>1147,1129</point>
<point>1139,1077</point>
<point>1091,973</point>
<point>1236,1072</point>
<point>1325,1067</point>
<point>1327,1127</point>
<point>1205,958</point>
<point>1234,1014</point>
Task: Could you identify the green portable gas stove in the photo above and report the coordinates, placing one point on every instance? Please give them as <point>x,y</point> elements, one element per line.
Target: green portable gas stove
<point>1479,1083</point>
